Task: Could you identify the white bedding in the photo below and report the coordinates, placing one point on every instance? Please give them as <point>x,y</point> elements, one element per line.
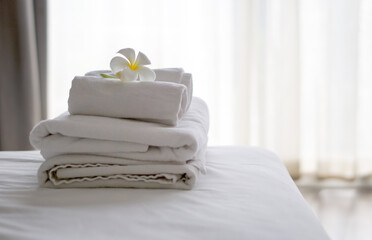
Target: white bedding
<point>246,194</point>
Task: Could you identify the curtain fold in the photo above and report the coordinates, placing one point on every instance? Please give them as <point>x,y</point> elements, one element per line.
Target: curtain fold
<point>310,85</point>
<point>23,71</point>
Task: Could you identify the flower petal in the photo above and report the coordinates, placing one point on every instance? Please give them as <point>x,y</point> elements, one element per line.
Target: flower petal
<point>129,53</point>
<point>146,74</point>
<point>128,75</point>
<point>117,64</point>
<point>142,59</point>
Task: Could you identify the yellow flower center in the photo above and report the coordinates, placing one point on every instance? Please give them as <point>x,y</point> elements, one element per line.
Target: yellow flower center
<point>133,66</point>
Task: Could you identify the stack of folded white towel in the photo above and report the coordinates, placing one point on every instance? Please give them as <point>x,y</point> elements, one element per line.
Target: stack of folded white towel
<point>132,134</point>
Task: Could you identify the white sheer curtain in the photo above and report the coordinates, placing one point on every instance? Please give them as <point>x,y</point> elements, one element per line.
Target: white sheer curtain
<point>291,76</point>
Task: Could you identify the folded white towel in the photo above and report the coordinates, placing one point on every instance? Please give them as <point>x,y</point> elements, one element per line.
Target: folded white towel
<point>163,101</point>
<point>125,138</point>
<point>112,142</point>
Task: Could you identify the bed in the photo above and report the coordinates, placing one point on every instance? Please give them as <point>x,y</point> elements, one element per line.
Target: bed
<point>246,194</point>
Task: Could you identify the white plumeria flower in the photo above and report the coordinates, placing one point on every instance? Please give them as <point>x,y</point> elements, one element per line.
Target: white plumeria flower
<point>128,67</point>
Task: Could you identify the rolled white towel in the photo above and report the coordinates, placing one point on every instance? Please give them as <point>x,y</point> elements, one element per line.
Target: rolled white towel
<point>163,101</point>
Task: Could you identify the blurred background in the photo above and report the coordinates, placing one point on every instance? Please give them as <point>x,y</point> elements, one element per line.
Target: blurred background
<point>291,76</point>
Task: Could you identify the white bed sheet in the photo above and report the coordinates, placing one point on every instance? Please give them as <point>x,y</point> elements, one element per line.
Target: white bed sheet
<point>246,194</point>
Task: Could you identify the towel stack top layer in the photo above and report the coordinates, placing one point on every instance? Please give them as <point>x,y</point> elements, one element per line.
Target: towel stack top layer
<point>163,101</point>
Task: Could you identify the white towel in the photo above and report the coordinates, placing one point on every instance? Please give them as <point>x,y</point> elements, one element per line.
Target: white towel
<point>124,138</point>
<point>163,101</point>
<point>160,155</point>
